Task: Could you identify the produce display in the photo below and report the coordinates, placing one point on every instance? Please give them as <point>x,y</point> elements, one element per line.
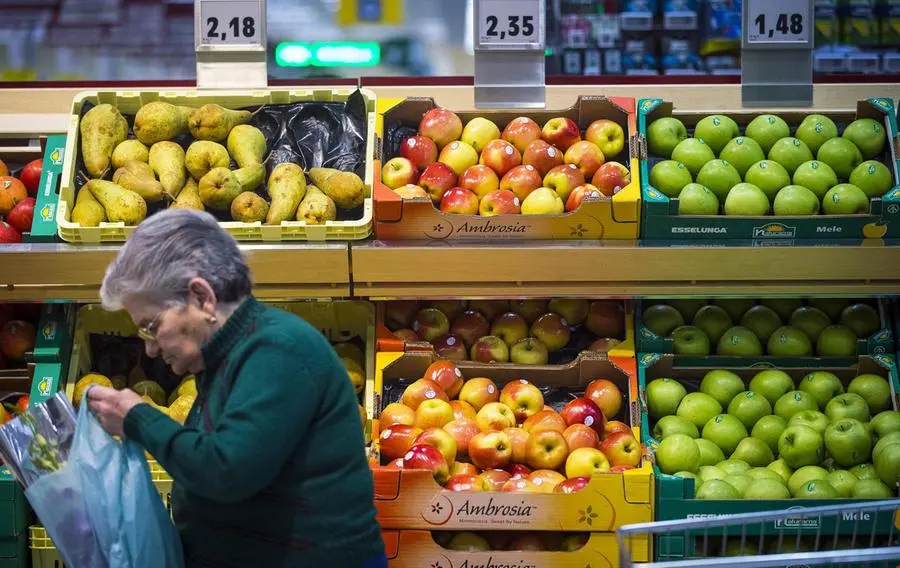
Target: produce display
<point>18,333</point>
<point>525,168</point>
<point>782,434</point>
<point>176,403</point>
<point>527,332</point>
<point>17,197</point>
<point>784,327</point>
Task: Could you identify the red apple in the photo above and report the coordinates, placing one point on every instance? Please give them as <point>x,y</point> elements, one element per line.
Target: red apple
<point>523,398</point>
<point>529,351</point>
<point>460,201</point>
<point>520,485</point>
<point>451,308</point>
<point>489,349</point>
<point>542,156</point>
<point>500,156</point>
<point>563,179</point>
<point>519,439</point>
<point>492,479</point>
<point>396,413</point>
<point>441,125</point>
<point>581,436</point>
<point>398,172</point>
<point>462,430</point>
<point>447,376</point>
<point>433,413</point>
<point>529,309</point>
<point>419,150</point>
<point>478,392</point>
<point>586,156</point>
<point>407,335</point>
<point>613,426</point>
<point>459,156</point>
<point>396,440</point>
<point>610,178</point>
<point>400,313</point>
<point>500,202</point>
<point>463,468</point>
<point>490,308</point>
<point>440,439</point>
<point>410,191</point>
<point>449,346</point>
<point>620,468</point>
<point>521,180</point>
<point>462,410</point>
<point>607,135</point>
<point>573,310</point>
<point>546,479</point>
<point>470,325</point>
<point>420,391</point>
<point>437,179</point>
<point>606,318</point>
<point>582,410</point>
<point>462,482</point>
<point>394,464</point>
<point>553,331</point>
<point>606,395</point>
<point>546,449</point>
<point>585,462</point>
<point>490,450</point>
<point>510,327</point>
<point>546,419</point>
<point>30,176</point>
<point>604,344</point>
<point>495,416</point>
<point>421,456</point>
<point>562,132</point>
<point>430,323</point>
<point>518,471</point>
<point>622,449</point>
<point>480,180</point>
<point>573,485</point>
<point>579,194</point>
<point>520,132</point>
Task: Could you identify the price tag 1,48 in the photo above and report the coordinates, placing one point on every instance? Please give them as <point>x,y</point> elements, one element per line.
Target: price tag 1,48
<point>782,22</point>
<point>509,24</point>
<point>230,22</point>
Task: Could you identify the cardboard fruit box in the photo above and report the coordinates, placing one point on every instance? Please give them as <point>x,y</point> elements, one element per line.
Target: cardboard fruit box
<point>418,218</point>
<point>675,495</point>
<point>411,499</point>
<point>661,221</point>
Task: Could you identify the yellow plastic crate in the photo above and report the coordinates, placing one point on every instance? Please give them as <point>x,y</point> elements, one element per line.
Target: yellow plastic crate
<point>163,483</point>
<point>130,101</point>
<point>43,551</point>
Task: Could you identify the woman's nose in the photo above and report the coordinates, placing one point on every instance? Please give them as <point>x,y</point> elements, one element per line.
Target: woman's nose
<point>152,349</point>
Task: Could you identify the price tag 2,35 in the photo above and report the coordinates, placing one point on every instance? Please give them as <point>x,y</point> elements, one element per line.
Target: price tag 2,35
<point>509,24</point>
<point>778,22</point>
<point>231,22</point>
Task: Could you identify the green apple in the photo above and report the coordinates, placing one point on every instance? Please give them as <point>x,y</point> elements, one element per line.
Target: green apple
<point>740,482</point>
<point>784,307</point>
<point>810,321</point>
<point>762,321</point>
<point>836,341</point>
<point>885,423</point>
<point>801,445</point>
<point>782,469</point>
<point>767,129</point>
<point>765,489</point>
<point>831,306</point>
<point>722,385</point>
<point>841,154</point>
<point>670,177</point>
<point>685,474</point>
<point>753,451</point>
<point>710,454</point>
<point>788,341</point>
<point>725,431</point>
<point>716,130</point>
<point>794,201</point>
<point>690,340</point>
<point>713,320</point>
<point>871,489</point>
<point>742,152</point>
<point>664,134</point>
<point>862,319</point>
<point>845,199</point>
<point>662,319</point>
<point>868,135</point>
<point>790,153</point>
<point>815,176</point>
<point>864,471</point>
<point>719,176</point>
<point>696,199</point>
<point>843,481</point>
<point>699,408</point>
<point>873,177</point>
<point>717,490</point>
<point>822,386</point>
<point>693,153</point>
<point>819,489</point>
<point>734,466</point>
<point>815,130</point>
<point>746,200</point>
<point>670,425</point>
<point>887,440</point>
<point>848,442</point>
<point>804,475</point>
<point>736,307</point>
<point>792,402</point>
<point>812,418</point>
<point>847,405</point>
<point>687,307</point>
<point>739,342</point>
<point>760,473</point>
<point>887,466</point>
<point>663,397</point>
<point>769,429</point>
<point>769,176</point>
<point>708,472</point>
<point>749,407</point>
<point>772,384</point>
<point>874,389</point>
<point>677,453</point>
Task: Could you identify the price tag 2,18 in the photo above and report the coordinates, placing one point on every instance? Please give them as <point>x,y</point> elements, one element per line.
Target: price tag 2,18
<point>230,22</point>
<point>778,22</point>
<point>509,24</point>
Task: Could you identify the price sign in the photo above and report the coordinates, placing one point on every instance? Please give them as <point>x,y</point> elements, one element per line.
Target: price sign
<point>231,22</point>
<point>778,22</point>
<point>509,24</point>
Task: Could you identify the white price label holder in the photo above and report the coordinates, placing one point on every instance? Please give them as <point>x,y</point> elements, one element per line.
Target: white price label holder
<point>509,40</point>
<point>230,43</point>
<point>777,53</point>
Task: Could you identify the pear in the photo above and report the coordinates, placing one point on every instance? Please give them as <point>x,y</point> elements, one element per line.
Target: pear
<point>121,205</point>
<point>189,197</point>
<point>158,121</point>
<point>249,207</point>
<point>102,129</point>
<point>344,188</point>
<point>87,212</point>
<point>247,145</point>
<point>251,177</point>
<point>287,187</point>
<point>316,207</point>
<point>203,156</point>
<point>167,161</point>
<point>130,150</point>
<point>139,178</point>
<point>218,188</point>
<point>214,122</point>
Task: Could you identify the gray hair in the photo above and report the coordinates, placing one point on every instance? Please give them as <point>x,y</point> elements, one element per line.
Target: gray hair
<point>166,251</point>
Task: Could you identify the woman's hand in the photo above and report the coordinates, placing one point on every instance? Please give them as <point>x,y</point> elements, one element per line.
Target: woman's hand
<point>111,406</point>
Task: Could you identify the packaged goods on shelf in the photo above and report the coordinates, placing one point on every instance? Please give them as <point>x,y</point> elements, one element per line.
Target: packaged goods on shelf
<point>795,164</point>
<point>329,133</point>
<point>516,498</point>
<point>498,199</point>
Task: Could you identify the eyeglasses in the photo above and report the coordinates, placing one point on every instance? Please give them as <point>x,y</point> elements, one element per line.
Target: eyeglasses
<point>148,332</point>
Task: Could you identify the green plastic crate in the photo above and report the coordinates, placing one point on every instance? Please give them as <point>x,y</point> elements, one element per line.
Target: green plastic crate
<point>15,513</point>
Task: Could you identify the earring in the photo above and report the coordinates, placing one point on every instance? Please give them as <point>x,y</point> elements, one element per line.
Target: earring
<point>211,320</point>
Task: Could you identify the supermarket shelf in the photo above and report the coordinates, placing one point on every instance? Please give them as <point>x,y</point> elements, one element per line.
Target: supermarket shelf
<point>68,272</point>
<point>592,269</point>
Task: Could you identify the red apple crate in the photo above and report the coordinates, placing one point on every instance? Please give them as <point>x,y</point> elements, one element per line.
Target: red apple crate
<point>411,499</point>
<point>411,219</point>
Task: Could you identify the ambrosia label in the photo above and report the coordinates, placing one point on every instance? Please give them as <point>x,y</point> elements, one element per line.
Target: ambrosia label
<point>487,510</point>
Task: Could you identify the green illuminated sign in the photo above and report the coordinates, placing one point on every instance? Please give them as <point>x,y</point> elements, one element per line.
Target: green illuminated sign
<point>328,54</point>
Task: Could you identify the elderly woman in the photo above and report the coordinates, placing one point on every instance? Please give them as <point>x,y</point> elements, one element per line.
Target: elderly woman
<point>269,468</point>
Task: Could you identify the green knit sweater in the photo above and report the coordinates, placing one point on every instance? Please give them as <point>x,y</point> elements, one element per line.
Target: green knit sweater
<point>269,469</point>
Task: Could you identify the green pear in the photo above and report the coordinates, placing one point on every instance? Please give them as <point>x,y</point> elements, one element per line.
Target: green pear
<point>87,211</point>
<point>214,122</point>
<point>203,155</point>
<point>121,205</point>
<point>346,189</point>
<point>102,129</point>
<point>249,207</point>
<point>167,161</point>
<point>138,177</point>
<point>247,145</point>
<point>316,208</point>
<point>287,188</point>
<point>158,121</point>
<point>218,189</point>
<point>130,150</point>
<point>189,197</point>
<point>250,177</point>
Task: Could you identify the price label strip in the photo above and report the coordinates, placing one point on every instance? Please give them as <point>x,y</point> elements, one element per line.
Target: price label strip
<point>778,22</point>
<point>509,24</point>
<point>230,22</point>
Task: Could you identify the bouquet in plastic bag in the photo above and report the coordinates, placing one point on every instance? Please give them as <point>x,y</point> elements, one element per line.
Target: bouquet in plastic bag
<point>93,494</point>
